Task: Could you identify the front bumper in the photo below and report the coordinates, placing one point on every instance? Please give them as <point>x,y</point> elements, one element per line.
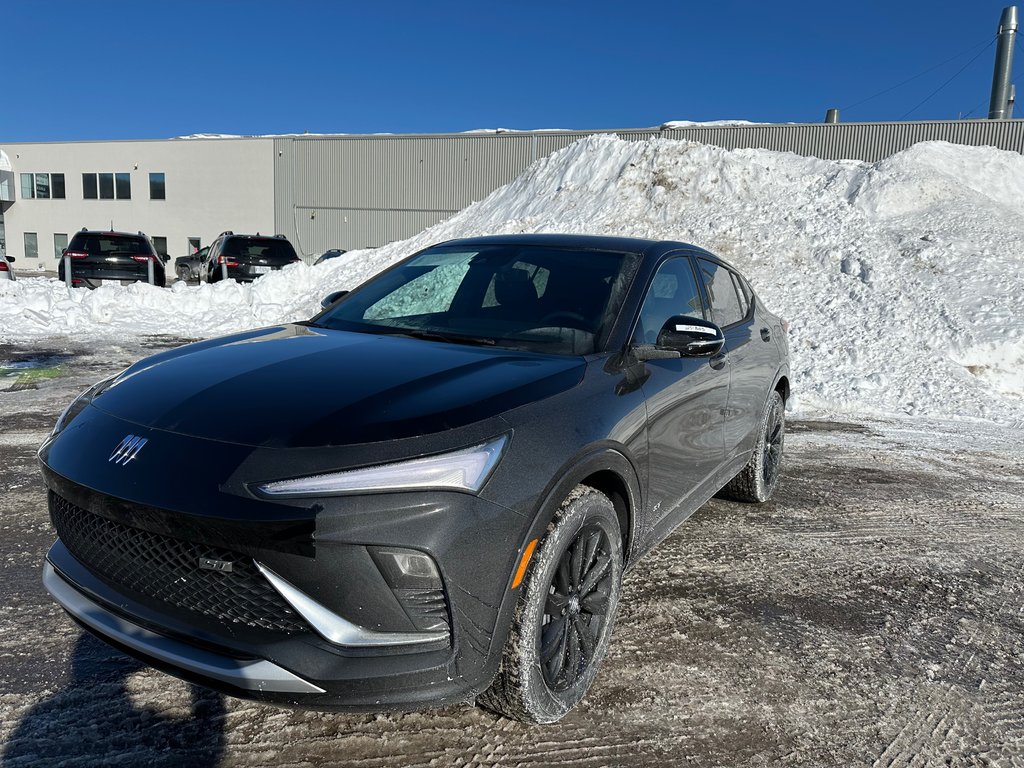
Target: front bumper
<point>242,674</point>
<point>325,549</point>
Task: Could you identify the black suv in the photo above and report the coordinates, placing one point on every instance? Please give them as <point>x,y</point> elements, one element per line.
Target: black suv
<point>247,257</point>
<point>482,439</point>
<point>97,256</point>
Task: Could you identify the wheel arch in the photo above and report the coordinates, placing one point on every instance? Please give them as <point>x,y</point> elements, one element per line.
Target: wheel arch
<point>608,470</point>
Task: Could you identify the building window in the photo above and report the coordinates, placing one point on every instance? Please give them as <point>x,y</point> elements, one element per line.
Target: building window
<point>31,245</point>
<point>43,186</point>
<point>60,242</point>
<point>157,187</point>
<point>106,186</point>
<point>160,245</point>
<point>103,186</point>
<point>124,186</point>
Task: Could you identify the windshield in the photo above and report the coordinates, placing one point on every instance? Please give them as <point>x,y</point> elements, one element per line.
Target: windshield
<point>554,300</point>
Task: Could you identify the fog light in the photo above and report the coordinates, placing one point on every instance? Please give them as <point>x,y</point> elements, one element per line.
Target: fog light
<point>406,568</point>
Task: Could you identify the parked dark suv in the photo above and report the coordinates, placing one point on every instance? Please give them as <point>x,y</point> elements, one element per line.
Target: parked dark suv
<point>247,257</point>
<point>122,256</point>
<point>464,455</point>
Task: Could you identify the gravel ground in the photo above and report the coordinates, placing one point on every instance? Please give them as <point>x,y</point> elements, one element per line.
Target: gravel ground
<point>872,614</point>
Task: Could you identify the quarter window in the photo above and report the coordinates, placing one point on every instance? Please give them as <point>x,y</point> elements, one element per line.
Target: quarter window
<point>673,292</point>
<point>726,308</point>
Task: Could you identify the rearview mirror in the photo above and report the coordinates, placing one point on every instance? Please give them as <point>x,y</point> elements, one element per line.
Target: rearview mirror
<point>691,336</point>
<point>330,298</point>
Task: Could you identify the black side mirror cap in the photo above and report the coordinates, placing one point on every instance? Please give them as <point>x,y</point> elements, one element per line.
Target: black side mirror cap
<point>691,336</point>
<point>10,259</point>
<point>330,298</point>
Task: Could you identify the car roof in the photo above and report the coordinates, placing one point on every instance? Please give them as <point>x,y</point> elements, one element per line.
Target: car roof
<point>595,242</point>
<point>109,233</point>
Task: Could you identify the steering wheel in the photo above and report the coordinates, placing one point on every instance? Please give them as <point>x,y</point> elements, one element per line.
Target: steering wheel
<point>578,321</point>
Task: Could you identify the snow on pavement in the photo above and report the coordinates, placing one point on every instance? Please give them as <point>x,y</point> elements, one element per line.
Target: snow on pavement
<point>901,279</point>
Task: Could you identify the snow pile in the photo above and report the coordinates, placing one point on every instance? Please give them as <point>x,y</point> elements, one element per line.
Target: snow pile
<point>901,279</point>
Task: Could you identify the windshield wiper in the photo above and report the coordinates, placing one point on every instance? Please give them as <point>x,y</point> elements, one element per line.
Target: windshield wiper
<point>417,333</point>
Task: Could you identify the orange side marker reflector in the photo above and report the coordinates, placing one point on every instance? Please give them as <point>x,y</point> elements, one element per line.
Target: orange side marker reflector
<point>521,570</point>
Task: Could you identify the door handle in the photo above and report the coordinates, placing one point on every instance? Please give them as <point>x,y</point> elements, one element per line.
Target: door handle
<point>766,334</point>
<point>718,361</point>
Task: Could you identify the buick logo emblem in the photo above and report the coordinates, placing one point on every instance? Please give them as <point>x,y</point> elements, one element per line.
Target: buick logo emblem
<point>127,449</point>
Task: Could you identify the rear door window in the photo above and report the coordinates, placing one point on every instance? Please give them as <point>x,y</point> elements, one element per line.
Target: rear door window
<point>726,306</point>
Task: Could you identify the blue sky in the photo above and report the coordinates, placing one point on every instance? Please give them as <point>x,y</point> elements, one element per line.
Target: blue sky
<point>122,70</point>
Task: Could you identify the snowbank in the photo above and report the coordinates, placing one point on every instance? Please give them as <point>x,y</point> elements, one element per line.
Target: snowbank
<point>901,279</point>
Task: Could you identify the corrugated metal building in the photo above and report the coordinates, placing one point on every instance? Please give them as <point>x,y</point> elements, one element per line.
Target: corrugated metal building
<point>354,191</point>
<point>350,191</point>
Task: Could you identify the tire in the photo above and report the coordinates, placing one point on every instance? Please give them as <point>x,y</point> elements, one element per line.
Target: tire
<point>184,274</point>
<point>757,481</point>
<point>540,681</point>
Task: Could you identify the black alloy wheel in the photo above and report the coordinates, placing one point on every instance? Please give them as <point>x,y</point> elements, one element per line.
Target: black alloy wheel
<point>576,609</point>
<point>564,614</point>
<point>773,443</point>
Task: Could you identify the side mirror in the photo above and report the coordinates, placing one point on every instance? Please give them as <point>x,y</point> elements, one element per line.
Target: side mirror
<point>10,259</point>
<point>330,298</point>
<point>691,336</point>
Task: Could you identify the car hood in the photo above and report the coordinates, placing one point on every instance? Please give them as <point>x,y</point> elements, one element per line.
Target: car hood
<point>299,386</point>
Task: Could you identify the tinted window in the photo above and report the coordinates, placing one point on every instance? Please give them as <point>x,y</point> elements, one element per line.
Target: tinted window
<point>124,186</point>
<point>525,297</point>
<point>106,186</point>
<point>157,188</point>
<point>97,244</point>
<point>57,185</point>
<point>673,292</point>
<point>259,247</point>
<point>89,188</point>
<point>725,302</point>
<point>741,293</point>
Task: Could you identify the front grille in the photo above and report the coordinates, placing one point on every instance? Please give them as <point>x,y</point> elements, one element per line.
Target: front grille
<point>167,569</point>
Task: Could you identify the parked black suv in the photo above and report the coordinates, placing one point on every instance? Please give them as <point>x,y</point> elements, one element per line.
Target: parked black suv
<point>96,256</point>
<point>478,443</point>
<point>247,257</point>
<point>188,267</point>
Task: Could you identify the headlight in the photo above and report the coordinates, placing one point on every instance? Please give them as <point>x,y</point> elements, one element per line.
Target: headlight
<point>465,470</point>
<point>78,405</point>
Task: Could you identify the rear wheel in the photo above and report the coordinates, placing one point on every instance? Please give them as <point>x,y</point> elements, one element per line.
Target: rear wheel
<point>184,273</point>
<point>563,620</point>
<point>756,482</point>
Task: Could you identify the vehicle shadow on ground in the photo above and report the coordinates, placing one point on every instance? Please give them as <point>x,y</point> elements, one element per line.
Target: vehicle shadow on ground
<point>93,719</point>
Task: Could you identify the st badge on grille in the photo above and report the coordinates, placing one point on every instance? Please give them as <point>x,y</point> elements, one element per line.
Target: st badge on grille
<point>209,564</point>
<point>127,449</point>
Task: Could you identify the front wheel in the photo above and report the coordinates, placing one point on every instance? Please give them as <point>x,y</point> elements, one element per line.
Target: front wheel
<point>756,482</point>
<point>563,621</point>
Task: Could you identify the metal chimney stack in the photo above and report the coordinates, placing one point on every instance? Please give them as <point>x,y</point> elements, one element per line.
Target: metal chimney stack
<point>1000,107</point>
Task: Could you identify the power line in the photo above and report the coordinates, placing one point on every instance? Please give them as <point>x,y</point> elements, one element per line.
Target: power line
<point>986,43</point>
<point>950,80</point>
<point>1020,51</point>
